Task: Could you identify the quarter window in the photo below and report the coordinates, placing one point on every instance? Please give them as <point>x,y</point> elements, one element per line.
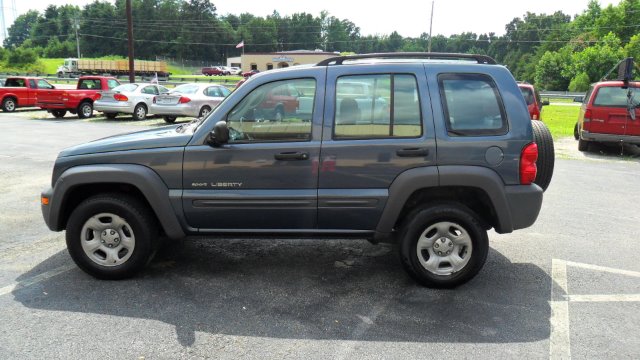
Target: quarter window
<point>377,106</point>
<point>271,113</point>
<point>472,105</point>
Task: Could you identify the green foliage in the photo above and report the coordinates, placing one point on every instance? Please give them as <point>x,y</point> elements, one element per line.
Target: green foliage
<point>22,56</point>
<point>597,60</point>
<point>580,83</point>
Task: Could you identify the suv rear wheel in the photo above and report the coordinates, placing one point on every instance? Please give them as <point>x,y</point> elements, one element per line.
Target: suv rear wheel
<point>443,246</point>
<point>111,236</point>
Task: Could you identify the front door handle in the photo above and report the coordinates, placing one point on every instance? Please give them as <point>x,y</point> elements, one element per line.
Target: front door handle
<point>413,152</point>
<point>293,155</point>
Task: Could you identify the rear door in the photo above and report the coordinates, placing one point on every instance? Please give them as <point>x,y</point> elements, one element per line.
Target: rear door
<point>378,124</point>
<point>633,126</point>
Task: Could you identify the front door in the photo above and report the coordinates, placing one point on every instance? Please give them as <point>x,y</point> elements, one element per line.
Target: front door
<point>265,177</point>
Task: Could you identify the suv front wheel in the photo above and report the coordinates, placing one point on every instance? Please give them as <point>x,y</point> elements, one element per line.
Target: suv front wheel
<point>111,236</point>
<point>443,246</point>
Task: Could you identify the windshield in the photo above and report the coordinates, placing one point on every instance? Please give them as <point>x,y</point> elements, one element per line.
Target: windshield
<point>186,89</point>
<point>126,88</point>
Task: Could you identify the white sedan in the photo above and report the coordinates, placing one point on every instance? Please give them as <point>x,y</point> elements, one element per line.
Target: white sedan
<point>195,100</point>
<point>134,98</point>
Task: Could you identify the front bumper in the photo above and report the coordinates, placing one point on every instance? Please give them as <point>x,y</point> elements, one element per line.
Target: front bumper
<point>46,210</point>
<point>614,138</point>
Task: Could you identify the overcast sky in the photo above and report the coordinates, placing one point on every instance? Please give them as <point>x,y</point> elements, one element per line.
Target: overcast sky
<point>408,17</point>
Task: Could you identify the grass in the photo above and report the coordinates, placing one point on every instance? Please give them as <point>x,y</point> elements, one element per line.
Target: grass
<point>560,119</point>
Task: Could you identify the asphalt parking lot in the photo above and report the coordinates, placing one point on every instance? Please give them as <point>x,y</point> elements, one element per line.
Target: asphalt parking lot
<point>567,286</point>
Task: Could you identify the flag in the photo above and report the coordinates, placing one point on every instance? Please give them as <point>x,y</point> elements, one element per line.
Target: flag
<point>241,44</point>
<point>155,79</point>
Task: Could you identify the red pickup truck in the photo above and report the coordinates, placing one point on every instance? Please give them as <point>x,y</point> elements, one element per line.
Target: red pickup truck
<point>22,92</point>
<point>76,101</point>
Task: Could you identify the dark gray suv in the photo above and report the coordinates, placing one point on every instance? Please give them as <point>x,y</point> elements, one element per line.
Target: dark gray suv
<point>428,150</point>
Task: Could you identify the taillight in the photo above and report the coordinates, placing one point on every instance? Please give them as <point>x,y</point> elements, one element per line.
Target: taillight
<point>586,121</point>
<point>120,97</point>
<point>98,96</point>
<point>184,100</point>
<point>528,169</point>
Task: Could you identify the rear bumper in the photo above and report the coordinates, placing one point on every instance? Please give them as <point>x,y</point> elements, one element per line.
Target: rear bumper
<point>615,138</point>
<point>122,107</point>
<point>524,202</point>
<point>174,110</point>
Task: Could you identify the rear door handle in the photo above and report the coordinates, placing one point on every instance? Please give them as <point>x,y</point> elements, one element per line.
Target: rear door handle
<point>291,156</point>
<point>413,152</point>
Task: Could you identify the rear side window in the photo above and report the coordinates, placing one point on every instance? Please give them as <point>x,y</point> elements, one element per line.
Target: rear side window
<point>609,96</point>
<point>472,105</point>
<point>111,83</point>
<point>126,88</point>
<point>377,106</point>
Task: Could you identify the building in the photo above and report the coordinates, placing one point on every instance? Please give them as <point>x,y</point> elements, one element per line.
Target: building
<point>277,60</point>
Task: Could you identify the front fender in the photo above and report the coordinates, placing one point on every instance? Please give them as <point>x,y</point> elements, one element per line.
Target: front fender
<point>143,178</point>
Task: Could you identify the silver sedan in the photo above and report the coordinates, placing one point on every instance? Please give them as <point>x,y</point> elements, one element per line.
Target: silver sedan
<point>134,98</point>
<point>189,100</point>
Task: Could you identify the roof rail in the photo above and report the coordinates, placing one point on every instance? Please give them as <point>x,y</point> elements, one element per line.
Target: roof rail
<point>338,60</point>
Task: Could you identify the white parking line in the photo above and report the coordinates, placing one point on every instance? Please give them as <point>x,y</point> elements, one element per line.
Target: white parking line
<point>34,280</point>
<point>604,298</point>
<point>601,268</point>
<point>559,339</point>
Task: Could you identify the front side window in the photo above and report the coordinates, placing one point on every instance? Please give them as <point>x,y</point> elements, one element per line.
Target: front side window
<point>375,106</point>
<point>610,96</point>
<point>268,115</point>
<point>472,105</point>
<point>43,84</point>
<point>32,84</point>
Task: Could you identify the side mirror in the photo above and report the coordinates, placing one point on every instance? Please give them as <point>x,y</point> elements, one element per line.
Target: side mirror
<point>220,134</point>
<point>578,99</point>
<point>52,87</point>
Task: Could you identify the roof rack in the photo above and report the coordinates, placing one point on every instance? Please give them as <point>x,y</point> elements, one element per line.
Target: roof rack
<point>338,60</point>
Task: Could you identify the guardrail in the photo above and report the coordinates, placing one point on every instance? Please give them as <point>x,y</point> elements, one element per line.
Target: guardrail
<point>562,94</point>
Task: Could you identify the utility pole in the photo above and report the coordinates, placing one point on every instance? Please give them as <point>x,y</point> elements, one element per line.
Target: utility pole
<point>77,26</point>
<point>431,26</point>
<point>132,73</point>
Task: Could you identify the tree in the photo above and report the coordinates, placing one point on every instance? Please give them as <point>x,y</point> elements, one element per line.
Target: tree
<point>21,29</point>
<point>597,60</point>
<point>580,83</point>
<point>552,70</point>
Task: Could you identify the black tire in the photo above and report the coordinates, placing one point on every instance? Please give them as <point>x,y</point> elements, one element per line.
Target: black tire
<point>9,104</point>
<point>140,222</point>
<point>110,116</point>
<point>546,154</point>
<point>576,133</point>
<point>85,110</point>
<point>170,119</point>
<point>204,111</point>
<point>60,74</point>
<point>140,112</point>
<point>420,220</point>
<point>583,145</point>
<point>59,113</point>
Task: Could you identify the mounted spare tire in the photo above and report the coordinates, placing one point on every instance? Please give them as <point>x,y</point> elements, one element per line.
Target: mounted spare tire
<point>546,153</point>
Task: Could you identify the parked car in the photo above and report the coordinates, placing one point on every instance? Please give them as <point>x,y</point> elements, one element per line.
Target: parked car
<point>22,92</point>
<point>76,101</point>
<point>532,98</point>
<point>214,70</point>
<point>134,98</point>
<point>235,71</point>
<point>195,100</point>
<point>605,114</point>
<point>465,162</point>
<point>250,73</point>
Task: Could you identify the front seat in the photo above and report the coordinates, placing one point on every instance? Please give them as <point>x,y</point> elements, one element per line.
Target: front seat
<point>349,111</point>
